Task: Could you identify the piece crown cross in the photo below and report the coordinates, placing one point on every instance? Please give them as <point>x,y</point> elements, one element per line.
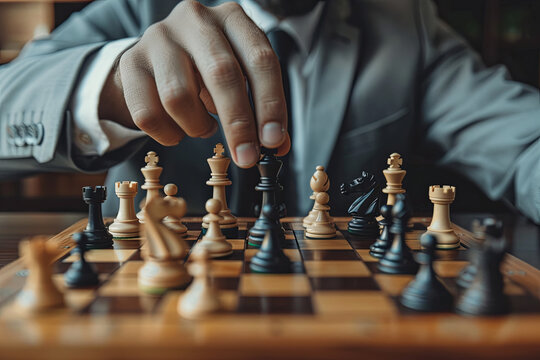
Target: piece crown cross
<point>219,150</point>
<point>395,161</point>
<point>151,159</point>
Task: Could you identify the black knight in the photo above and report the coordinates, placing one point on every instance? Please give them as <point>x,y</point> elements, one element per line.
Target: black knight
<point>365,208</point>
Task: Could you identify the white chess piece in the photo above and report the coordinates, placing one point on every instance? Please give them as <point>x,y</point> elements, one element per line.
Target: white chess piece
<point>200,298</point>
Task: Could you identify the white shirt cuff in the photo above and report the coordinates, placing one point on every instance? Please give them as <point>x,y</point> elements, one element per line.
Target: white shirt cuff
<point>92,135</point>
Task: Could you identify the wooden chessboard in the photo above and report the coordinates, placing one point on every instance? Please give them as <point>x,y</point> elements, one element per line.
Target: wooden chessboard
<point>336,304</point>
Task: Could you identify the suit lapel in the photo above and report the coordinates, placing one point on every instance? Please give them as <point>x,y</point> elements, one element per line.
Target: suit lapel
<point>336,51</point>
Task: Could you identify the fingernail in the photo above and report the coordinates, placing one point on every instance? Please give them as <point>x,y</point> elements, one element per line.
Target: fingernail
<point>247,154</point>
<point>272,134</point>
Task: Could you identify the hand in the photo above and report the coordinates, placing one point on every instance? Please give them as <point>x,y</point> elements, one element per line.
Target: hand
<point>197,61</point>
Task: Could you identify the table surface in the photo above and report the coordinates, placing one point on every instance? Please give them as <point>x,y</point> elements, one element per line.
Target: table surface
<point>289,336</point>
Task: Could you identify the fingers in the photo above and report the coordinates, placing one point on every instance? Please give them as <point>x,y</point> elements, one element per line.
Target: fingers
<point>143,102</point>
<point>178,89</point>
<point>223,77</point>
<point>262,69</point>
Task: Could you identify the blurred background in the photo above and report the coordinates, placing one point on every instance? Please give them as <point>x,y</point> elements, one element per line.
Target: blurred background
<point>502,31</point>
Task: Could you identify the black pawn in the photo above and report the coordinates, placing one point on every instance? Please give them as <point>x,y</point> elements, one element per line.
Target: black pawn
<point>81,273</point>
<point>384,241</point>
<point>269,167</point>
<point>398,259</point>
<point>489,226</point>
<point>270,258</point>
<point>98,235</point>
<point>426,292</point>
<point>485,295</point>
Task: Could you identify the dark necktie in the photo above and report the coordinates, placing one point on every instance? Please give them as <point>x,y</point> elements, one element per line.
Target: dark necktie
<point>246,200</point>
<point>284,46</point>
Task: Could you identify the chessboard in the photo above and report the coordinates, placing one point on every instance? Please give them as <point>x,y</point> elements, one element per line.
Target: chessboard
<point>333,304</point>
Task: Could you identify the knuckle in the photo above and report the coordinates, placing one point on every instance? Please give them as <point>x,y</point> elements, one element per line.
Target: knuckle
<point>145,121</point>
<point>224,72</point>
<point>263,59</point>
<point>193,9</point>
<point>240,126</point>
<point>156,30</point>
<point>175,97</point>
<point>273,109</point>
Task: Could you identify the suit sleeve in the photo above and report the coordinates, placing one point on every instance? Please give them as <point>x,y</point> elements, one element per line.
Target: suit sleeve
<point>35,90</point>
<point>477,120</point>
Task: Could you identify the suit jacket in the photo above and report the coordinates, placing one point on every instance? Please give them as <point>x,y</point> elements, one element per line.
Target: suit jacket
<point>390,77</point>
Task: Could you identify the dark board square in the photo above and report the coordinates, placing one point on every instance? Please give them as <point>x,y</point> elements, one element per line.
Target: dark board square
<point>136,256</point>
<point>344,283</point>
<point>275,305</point>
<point>193,225</point>
<point>361,244</point>
<point>236,255</point>
<point>310,255</point>
<point>226,283</point>
<point>524,304</point>
<point>122,305</point>
<point>190,243</point>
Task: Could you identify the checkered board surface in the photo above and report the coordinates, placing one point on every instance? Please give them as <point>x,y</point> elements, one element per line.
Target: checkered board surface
<point>334,277</point>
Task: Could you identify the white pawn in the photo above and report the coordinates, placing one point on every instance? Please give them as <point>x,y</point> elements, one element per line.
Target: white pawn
<point>200,298</point>
<point>174,223</point>
<point>126,223</point>
<point>319,183</point>
<point>39,293</point>
<point>322,227</point>
<point>214,241</point>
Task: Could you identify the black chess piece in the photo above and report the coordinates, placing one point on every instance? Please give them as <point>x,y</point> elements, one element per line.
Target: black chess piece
<point>485,295</point>
<point>398,259</point>
<point>365,208</point>
<point>81,273</point>
<point>489,226</point>
<point>270,258</point>
<point>269,167</point>
<point>426,292</point>
<point>98,235</point>
<point>384,241</point>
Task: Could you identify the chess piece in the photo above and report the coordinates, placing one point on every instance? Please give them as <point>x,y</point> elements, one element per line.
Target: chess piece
<point>125,225</point>
<point>394,177</point>
<point>270,258</point>
<point>319,183</point>
<point>163,267</point>
<point>398,259</point>
<point>365,209</point>
<point>214,241</point>
<point>426,292</point>
<point>218,180</point>
<point>384,241</point>
<point>151,173</point>
<point>97,234</point>
<point>322,227</point>
<point>81,273</point>
<point>442,197</point>
<point>39,293</point>
<point>485,296</point>
<point>200,298</point>
<point>175,223</point>
<point>488,227</point>
<point>269,167</point>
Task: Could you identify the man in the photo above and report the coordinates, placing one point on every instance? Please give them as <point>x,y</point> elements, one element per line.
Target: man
<point>366,78</point>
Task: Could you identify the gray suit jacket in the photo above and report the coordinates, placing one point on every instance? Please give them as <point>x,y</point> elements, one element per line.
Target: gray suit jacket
<point>390,77</point>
